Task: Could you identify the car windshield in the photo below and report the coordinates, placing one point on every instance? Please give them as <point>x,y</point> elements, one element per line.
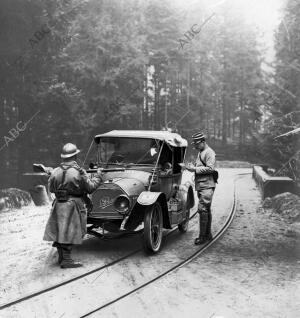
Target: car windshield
<point>121,150</point>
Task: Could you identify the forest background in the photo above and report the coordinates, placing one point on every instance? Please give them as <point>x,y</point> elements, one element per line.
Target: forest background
<point>72,69</point>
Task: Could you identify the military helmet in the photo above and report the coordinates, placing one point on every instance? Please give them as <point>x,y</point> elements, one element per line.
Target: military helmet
<point>69,150</point>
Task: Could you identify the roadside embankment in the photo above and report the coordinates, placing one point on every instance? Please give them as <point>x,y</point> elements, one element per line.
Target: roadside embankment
<point>13,198</point>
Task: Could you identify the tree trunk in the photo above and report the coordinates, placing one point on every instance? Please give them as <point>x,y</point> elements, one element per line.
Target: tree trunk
<point>224,101</point>
<point>241,122</point>
<point>224,119</point>
<point>3,132</point>
<point>214,120</point>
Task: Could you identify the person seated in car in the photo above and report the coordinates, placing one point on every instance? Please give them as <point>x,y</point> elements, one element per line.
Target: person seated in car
<point>166,168</point>
<point>116,157</point>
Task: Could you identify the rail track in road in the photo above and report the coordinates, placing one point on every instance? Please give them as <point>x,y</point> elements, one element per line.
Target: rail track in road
<point>98,269</point>
<point>182,263</point>
<point>103,267</point>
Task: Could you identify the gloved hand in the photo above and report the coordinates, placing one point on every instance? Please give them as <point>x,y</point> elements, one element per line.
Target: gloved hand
<point>190,167</point>
<point>100,170</point>
<point>82,171</point>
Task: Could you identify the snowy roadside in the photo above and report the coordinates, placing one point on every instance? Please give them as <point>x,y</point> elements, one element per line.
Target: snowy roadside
<point>253,271</point>
<point>31,264</point>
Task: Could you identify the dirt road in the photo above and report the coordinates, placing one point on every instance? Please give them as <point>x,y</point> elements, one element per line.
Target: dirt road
<point>252,271</point>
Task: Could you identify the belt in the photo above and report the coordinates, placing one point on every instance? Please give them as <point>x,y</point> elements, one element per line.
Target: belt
<point>69,195</point>
<point>75,195</point>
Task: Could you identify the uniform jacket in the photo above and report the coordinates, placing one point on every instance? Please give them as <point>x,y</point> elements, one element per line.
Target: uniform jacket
<point>204,178</point>
<point>67,221</point>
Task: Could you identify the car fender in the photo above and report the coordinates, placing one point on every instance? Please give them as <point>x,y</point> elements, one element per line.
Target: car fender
<point>147,198</point>
<point>186,194</point>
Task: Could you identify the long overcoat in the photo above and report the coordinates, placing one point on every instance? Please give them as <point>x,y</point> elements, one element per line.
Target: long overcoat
<point>67,221</point>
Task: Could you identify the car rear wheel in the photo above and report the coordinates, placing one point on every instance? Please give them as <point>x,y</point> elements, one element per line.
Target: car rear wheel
<point>153,229</point>
<point>183,226</point>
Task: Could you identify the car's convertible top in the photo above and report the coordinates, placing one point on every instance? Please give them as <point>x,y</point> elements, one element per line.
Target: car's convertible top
<point>172,139</point>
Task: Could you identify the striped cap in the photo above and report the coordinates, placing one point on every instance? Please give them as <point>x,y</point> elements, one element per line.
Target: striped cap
<point>198,137</point>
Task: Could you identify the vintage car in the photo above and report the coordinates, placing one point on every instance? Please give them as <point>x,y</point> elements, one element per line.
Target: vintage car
<point>143,188</point>
<point>142,192</point>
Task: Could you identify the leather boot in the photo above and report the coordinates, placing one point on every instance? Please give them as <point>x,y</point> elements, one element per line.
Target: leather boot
<point>208,229</point>
<point>67,261</point>
<point>203,220</point>
<point>59,251</point>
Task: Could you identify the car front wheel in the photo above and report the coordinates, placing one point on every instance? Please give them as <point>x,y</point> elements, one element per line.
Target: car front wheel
<point>153,229</point>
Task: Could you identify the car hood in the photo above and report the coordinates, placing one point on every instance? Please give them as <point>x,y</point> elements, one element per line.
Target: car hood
<point>132,182</point>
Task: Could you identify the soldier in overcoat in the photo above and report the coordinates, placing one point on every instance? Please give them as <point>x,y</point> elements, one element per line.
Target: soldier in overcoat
<point>66,225</point>
<point>204,185</point>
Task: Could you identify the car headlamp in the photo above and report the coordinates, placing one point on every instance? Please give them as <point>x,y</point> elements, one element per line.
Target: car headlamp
<point>122,204</point>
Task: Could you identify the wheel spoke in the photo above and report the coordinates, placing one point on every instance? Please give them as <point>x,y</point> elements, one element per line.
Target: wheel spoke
<point>155,225</point>
<point>154,228</point>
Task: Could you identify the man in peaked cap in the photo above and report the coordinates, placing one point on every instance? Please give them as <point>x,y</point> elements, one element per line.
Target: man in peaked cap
<point>204,185</point>
<point>66,225</point>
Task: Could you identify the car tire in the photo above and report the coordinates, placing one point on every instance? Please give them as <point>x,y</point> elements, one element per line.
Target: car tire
<point>153,229</point>
<point>183,226</point>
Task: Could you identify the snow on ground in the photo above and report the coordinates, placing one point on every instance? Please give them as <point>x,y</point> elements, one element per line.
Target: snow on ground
<point>251,271</point>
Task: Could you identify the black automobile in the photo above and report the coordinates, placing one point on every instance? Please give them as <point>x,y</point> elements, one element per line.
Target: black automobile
<point>143,188</point>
